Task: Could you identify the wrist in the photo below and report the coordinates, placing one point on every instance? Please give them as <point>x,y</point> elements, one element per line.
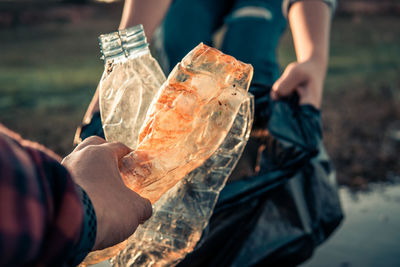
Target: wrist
<point>318,58</point>
<point>318,64</point>
<point>88,231</point>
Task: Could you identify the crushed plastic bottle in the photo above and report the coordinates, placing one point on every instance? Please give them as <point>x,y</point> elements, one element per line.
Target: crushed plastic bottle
<point>189,118</point>
<point>182,213</point>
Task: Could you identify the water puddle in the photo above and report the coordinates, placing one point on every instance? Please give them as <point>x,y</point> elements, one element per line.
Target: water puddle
<point>369,236</point>
<point>370,232</point>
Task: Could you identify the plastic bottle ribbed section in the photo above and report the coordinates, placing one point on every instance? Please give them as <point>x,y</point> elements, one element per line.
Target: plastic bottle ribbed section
<point>181,215</point>
<point>123,44</point>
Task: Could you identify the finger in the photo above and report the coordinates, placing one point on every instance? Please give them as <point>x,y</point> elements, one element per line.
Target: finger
<point>93,140</point>
<point>287,83</point>
<point>146,210</point>
<point>118,149</point>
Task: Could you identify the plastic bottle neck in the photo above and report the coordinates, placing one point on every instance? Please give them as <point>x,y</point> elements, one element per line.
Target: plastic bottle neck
<point>123,44</point>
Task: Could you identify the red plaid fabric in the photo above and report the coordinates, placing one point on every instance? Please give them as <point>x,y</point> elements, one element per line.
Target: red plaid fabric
<point>41,212</point>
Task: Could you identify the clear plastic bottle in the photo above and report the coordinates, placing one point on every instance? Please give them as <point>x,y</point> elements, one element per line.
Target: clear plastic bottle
<point>182,213</point>
<point>188,120</point>
<point>131,79</point>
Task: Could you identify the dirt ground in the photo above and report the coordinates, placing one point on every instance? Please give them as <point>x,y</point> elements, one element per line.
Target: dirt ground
<point>361,132</point>
<point>49,71</point>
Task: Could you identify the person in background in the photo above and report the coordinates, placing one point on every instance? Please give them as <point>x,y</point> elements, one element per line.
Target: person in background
<point>54,213</point>
<point>253,29</point>
<point>252,34</point>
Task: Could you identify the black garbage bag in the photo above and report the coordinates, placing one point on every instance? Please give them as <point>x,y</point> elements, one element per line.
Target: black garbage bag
<point>280,214</point>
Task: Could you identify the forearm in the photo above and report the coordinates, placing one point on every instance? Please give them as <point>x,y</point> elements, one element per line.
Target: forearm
<point>310,24</point>
<point>147,12</point>
<point>41,219</point>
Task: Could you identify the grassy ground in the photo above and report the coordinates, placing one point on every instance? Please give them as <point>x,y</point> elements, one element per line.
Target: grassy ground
<point>49,71</point>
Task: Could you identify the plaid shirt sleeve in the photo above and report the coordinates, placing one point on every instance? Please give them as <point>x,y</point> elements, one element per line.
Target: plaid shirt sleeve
<point>41,213</point>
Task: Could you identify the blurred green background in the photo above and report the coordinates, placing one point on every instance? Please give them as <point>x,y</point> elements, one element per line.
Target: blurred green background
<point>50,66</point>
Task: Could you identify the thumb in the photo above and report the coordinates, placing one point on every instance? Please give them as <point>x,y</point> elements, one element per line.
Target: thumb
<point>288,82</point>
<point>118,149</point>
